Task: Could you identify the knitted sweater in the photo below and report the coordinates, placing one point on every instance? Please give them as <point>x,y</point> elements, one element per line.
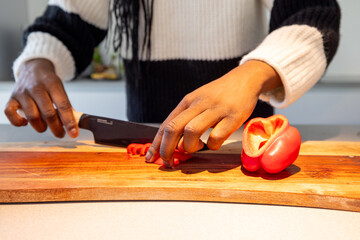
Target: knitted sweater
<point>192,43</point>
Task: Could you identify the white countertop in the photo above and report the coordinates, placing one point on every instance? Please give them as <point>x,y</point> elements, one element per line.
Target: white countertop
<point>174,220</point>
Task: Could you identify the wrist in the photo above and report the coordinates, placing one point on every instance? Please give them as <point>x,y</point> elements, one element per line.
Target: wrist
<point>260,76</point>
<point>41,63</point>
<point>35,68</point>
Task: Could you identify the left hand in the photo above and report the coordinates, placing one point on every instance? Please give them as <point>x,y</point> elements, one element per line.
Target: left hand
<point>224,104</point>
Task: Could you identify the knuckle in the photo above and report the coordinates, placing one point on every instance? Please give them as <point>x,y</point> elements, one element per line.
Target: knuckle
<point>191,131</point>
<point>215,141</point>
<point>161,130</point>
<point>36,90</point>
<point>50,114</point>
<point>9,110</point>
<point>216,138</point>
<point>64,105</point>
<point>171,128</point>
<point>187,100</point>
<point>32,117</point>
<point>18,93</point>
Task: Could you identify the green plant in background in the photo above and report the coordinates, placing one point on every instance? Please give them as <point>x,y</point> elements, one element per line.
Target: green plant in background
<point>102,71</point>
<point>97,57</point>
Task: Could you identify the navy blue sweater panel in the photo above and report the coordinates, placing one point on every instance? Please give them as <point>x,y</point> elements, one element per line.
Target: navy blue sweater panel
<point>322,14</point>
<point>165,83</point>
<point>77,35</point>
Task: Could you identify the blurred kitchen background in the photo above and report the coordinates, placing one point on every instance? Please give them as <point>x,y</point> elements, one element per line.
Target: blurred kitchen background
<point>334,100</point>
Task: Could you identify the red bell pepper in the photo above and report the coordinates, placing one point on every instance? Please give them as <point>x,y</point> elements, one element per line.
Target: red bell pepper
<point>141,149</point>
<point>270,143</point>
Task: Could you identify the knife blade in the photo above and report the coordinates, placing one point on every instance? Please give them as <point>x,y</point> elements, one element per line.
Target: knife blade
<point>115,132</point>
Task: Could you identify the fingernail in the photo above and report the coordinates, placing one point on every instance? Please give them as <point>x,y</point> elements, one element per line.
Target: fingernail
<point>148,157</point>
<point>167,164</point>
<point>73,132</point>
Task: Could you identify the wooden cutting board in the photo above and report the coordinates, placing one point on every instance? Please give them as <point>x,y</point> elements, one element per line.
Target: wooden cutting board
<point>326,175</point>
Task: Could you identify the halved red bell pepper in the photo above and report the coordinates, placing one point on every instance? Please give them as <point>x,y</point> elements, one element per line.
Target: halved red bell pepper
<point>270,143</point>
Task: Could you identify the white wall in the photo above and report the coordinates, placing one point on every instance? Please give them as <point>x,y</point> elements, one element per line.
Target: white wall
<point>13,19</point>
<point>326,103</point>
<point>35,8</point>
<point>346,64</point>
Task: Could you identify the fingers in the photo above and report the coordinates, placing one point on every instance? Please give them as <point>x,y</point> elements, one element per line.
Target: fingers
<point>222,131</point>
<point>196,128</point>
<point>191,123</point>
<point>11,113</point>
<point>65,109</point>
<point>36,92</point>
<point>153,152</point>
<point>181,148</point>
<point>44,102</point>
<point>32,113</point>
<point>172,133</point>
<point>48,113</point>
<point>169,133</point>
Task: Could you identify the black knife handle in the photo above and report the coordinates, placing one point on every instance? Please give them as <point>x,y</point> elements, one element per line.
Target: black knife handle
<point>84,122</point>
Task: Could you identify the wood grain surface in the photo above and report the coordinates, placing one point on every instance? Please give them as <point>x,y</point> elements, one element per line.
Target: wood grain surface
<point>87,172</point>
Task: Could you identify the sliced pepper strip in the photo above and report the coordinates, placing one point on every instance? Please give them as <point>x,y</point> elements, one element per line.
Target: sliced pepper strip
<point>141,149</point>
<point>270,143</point>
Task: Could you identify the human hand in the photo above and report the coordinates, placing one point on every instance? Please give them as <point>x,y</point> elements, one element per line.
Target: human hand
<point>224,104</point>
<point>38,92</point>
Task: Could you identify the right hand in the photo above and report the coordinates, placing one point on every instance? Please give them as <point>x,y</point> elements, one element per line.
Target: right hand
<point>40,93</point>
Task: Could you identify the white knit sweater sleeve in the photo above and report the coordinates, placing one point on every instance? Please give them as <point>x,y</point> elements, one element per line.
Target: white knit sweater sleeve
<point>44,45</point>
<point>296,52</point>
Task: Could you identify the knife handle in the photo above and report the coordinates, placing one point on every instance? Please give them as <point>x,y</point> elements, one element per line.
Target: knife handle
<point>77,116</point>
<point>81,120</point>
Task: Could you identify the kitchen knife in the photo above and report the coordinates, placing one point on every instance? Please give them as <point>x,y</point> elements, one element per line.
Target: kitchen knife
<point>110,131</point>
<point>115,132</point>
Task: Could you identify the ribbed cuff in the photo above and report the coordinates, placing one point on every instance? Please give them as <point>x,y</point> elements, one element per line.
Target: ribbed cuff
<point>44,45</point>
<point>297,54</point>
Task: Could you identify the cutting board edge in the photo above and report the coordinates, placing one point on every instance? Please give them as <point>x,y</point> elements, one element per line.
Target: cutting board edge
<point>173,194</point>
